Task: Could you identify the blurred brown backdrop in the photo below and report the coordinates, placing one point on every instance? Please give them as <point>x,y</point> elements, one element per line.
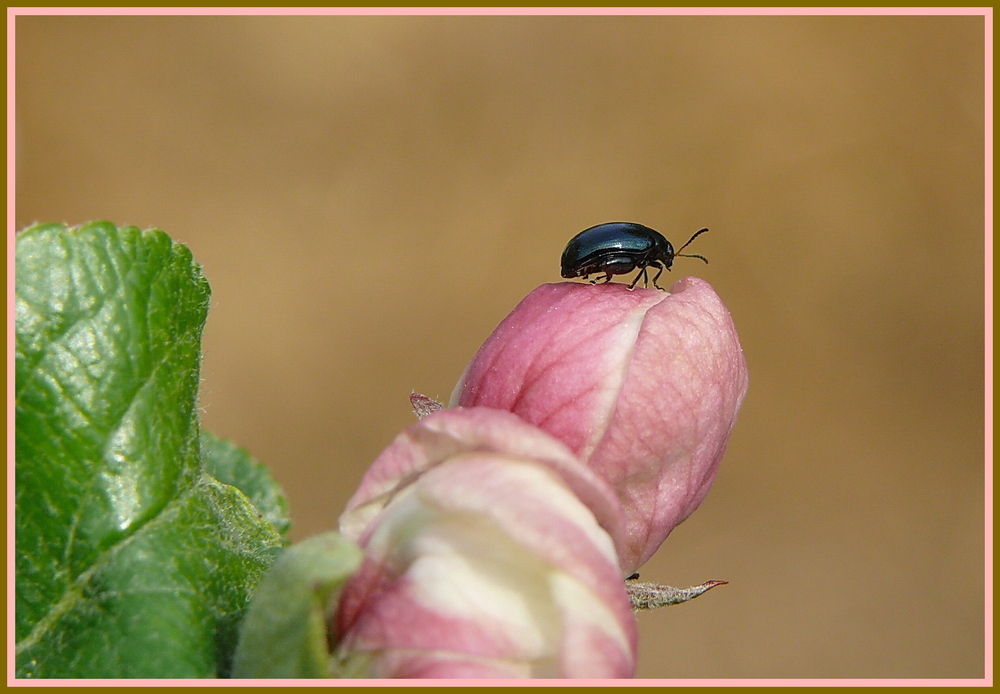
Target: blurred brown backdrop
<point>370,196</point>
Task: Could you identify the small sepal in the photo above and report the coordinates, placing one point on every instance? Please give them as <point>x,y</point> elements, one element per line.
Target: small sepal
<point>649,596</point>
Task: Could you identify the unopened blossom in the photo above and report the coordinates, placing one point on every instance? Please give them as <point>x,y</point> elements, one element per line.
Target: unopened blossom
<point>488,552</point>
<point>643,385</point>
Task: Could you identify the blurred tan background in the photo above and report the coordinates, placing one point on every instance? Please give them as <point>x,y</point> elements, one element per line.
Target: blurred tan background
<point>370,196</point>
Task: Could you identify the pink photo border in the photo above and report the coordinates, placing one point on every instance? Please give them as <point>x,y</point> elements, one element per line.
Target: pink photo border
<point>985,12</point>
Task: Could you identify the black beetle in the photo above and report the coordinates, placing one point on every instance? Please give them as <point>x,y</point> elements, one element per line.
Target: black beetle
<point>617,248</point>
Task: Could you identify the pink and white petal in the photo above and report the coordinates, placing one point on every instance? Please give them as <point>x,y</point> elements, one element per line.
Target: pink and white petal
<point>465,562</point>
<point>559,360</point>
<point>447,433</point>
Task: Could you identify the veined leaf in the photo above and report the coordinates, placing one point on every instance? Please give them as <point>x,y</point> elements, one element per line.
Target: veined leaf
<point>130,560</point>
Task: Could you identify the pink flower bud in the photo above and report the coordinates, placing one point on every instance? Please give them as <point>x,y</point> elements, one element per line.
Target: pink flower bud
<point>643,385</point>
<point>489,552</point>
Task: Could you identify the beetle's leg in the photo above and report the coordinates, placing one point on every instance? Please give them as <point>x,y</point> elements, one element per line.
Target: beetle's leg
<point>607,278</point>
<point>658,277</point>
<point>642,273</point>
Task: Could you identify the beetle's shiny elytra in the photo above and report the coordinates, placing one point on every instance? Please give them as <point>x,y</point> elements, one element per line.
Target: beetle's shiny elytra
<point>618,248</point>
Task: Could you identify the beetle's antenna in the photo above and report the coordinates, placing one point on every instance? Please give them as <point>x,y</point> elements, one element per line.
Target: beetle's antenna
<point>696,235</point>
<point>691,255</point>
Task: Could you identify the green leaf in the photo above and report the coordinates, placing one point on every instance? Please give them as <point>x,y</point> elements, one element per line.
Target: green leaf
<point>233,465</point>
<point>284,633</point>
<point>130,562</point>
<point>166,602</point>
